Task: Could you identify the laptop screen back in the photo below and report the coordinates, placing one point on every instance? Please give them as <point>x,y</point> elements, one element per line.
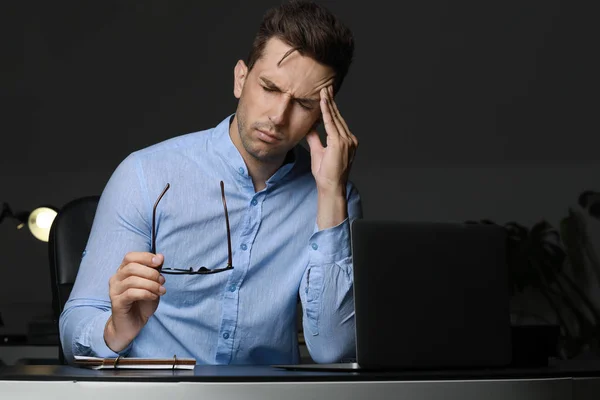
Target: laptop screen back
<point>430,295</point>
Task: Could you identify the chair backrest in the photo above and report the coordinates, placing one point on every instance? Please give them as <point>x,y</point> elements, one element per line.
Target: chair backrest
<point>68,237</point>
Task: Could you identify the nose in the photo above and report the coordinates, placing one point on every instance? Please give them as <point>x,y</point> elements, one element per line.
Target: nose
<point>280,110</point>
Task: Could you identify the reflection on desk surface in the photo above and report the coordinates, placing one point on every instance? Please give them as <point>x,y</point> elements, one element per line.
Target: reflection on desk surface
<point>28,355</point>
<point>240,373</point>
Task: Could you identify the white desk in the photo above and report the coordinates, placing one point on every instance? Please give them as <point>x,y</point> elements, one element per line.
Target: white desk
<point>546,389</point>
<point>260,383</point>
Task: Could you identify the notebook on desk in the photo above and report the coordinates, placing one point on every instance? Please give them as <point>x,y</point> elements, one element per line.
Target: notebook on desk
<point>428,296</point>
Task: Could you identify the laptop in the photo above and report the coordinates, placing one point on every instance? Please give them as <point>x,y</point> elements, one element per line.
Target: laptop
<point>428,296</point>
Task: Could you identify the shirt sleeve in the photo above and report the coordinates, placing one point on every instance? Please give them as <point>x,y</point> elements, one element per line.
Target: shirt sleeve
<point>326,290</point>
<point>121,225</point>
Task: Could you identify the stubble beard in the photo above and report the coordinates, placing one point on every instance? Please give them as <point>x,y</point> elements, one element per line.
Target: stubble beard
<point>247,142</point>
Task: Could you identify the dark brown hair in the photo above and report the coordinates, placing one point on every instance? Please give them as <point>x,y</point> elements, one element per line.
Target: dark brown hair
<point>310,29</point>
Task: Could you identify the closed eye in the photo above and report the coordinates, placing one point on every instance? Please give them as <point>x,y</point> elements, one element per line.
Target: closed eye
<point>304,105</point>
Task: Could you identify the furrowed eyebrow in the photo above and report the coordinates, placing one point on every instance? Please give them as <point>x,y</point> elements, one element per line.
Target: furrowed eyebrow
<point>271,85</point>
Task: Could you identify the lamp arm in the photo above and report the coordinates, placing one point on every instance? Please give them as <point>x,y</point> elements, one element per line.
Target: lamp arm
<point>6,212</point>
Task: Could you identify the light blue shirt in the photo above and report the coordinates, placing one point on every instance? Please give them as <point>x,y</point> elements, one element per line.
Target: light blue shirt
<point>246,315</point>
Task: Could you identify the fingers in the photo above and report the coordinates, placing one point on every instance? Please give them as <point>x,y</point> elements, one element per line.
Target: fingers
<point>341,119</point>
<point>144,258</point>
<point>332,125</point>
<point>137,278</point>
<point>336,112</point>
<point>132,295</point>
<point>338,128</point>
<point>139,270</point>
<point>138,283</point>
<point>124,293</point>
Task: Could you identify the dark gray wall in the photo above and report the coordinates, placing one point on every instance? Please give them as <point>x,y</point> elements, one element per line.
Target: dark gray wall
<point>464,109</point>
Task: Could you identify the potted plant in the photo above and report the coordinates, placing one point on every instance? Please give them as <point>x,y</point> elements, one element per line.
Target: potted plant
<point>559,264</point>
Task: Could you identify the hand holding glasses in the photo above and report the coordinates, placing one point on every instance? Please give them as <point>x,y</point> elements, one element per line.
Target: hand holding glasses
<point>136,287</point>
<point>190,271</point>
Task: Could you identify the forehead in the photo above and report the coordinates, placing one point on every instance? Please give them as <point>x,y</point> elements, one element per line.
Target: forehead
<point>295,71</point>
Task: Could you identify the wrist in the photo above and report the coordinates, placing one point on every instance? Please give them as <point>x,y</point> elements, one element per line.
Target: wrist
<point>111,337</point>
<point>331,189</point>
<point>332,210</point>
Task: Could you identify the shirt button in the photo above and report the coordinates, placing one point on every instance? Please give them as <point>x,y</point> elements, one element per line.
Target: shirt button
<point>254,202</point>
<point>241,171</point>
<point>243,246</point>
<point>226,335</point>
<point>232,288</point>
<point>314,246</point>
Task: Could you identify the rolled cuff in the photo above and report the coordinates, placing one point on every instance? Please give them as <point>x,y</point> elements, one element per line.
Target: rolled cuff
<point>331,245</point>
<point>95,331</point>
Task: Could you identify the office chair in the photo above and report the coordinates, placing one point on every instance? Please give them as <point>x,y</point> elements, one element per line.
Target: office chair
<point>68,237</point>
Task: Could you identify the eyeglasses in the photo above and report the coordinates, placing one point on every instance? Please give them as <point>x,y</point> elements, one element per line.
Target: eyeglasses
<point>201,270</point>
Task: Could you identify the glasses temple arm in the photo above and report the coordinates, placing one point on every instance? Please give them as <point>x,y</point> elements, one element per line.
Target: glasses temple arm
<point>153,250</point>
<point>229,259</point>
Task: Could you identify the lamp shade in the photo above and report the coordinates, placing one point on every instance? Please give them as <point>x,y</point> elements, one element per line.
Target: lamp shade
<point>39,222</point>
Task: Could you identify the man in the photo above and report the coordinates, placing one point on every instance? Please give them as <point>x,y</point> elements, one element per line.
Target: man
<point>169,207</point>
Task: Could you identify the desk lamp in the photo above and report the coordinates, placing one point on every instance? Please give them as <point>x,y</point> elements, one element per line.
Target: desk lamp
<point>38,221</point>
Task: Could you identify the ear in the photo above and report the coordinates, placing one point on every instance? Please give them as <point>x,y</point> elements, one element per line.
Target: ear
<point>240,72</point>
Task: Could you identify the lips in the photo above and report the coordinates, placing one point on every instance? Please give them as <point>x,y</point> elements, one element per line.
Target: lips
<point>268,136</point>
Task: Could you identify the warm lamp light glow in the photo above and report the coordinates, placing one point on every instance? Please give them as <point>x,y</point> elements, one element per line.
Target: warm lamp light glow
<point>40,221</point>
<point>44,219</point>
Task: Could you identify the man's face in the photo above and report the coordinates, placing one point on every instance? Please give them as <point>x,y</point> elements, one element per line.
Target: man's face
<point>278,105</point>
